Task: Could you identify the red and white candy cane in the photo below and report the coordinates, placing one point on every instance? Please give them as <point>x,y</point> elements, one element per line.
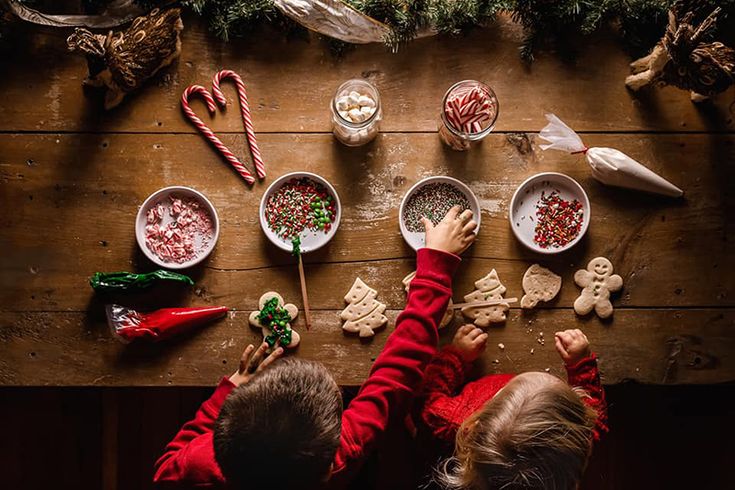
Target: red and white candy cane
<point>212,107</point>
<point>244,109</point>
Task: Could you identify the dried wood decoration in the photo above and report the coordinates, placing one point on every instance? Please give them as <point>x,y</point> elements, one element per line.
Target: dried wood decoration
<point>122,61</point>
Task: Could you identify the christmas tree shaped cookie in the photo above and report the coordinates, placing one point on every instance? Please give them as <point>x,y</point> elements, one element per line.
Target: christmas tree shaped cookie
<point>448,315</point>
<point>274,319</point>
<point>488,288</point>
<point>364,314</point>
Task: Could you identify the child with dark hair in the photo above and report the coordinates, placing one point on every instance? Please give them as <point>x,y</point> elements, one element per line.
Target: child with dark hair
<point>283,427</point>
<point>514,432</point>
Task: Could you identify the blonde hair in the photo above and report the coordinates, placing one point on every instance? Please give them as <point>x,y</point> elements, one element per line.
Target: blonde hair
<point>534,434</point>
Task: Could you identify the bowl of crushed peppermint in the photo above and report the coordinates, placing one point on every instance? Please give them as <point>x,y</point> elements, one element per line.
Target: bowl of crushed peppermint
<point>432,197</point>
<point>549,213</point>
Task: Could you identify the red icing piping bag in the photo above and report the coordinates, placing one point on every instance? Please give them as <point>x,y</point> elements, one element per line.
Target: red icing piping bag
<point>127,324</point>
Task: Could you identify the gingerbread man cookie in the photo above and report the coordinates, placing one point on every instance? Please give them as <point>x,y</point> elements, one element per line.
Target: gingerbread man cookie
<point>488,288</point>
<point>597,281</point>
<point>364,314</point>
<point>539,284</point>
<point>274,319</point>
<point>448,315</point>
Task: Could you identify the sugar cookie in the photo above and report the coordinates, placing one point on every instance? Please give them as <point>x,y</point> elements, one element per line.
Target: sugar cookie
<point>597,281</point>
<point>539,284</point>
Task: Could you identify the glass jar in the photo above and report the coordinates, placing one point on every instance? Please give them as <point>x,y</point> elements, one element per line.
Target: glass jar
<point>468,114</point>
<point>356,112</point>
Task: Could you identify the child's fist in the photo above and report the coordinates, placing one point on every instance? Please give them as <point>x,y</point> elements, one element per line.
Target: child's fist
<point>453,234</point>
<point>572,346</point>
<point>469,341</point>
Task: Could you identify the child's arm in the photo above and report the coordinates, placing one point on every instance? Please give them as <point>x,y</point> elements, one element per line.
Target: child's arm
<point>398,371</point>
<point>445,375</point>
<point>582,371</point>
<point>189,458</point>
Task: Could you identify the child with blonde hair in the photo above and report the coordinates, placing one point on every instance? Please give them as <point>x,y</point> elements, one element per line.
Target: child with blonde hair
<point>526,431</point>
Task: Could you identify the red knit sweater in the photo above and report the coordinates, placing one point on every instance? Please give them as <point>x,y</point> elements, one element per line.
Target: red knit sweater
<point>397,373</point>
<point>446,407</point>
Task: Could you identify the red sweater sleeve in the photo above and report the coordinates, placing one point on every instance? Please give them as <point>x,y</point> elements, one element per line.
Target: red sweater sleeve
<point>586,375</point>
<point>188,460</point>
<point>445,375</point>
<point>398,371</point>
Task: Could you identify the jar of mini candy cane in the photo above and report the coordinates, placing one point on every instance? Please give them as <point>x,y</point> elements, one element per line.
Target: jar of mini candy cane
<point>356,112</point>
<point>468,114</point>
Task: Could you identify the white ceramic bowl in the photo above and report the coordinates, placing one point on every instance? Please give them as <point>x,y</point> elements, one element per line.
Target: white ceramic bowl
<point>310,240</point>
<point>523,206</point>
<point>160,195</point>
<point>416,240</point>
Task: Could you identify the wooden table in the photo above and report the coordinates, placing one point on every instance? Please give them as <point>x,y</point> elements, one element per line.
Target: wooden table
<point>72,177</point>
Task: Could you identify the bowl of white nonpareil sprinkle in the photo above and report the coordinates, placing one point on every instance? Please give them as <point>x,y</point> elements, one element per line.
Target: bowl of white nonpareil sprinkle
<point>432,198</point>
<point>177,227</point>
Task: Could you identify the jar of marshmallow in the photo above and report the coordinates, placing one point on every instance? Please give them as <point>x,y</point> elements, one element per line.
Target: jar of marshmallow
<point>356,112</point>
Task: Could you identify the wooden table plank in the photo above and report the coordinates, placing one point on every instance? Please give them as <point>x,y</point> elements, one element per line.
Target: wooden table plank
<point>651,346</point>
<point>72,211</point>
<point>291,83</point>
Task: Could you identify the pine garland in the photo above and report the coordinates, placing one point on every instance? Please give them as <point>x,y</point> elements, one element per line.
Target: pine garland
<point>640,22</point>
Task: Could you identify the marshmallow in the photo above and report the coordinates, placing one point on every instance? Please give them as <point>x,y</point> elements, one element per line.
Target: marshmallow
<point>367,111</point>
<point>343,104</point>
<point>352,100</point>
<point>365,101</point>
<point>356,115</point>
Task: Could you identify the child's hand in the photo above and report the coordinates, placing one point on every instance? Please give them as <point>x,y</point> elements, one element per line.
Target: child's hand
<point>572,346</point>
<point>251,363</point>
<point>470,341</point>
<point>451,234</point>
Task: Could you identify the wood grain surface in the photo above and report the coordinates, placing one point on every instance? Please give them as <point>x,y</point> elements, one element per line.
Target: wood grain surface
<point>72,177</point>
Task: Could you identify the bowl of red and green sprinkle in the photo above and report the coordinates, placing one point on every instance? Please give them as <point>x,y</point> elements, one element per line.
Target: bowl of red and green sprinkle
<point>432,198</point>
<point>300,212</point>
<point>549,213</point>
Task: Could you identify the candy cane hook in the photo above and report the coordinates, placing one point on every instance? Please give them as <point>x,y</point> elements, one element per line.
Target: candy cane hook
<point>212,107</point>
<point>244,109</point>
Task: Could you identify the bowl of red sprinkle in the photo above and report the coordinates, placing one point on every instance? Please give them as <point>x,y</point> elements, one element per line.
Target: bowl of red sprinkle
<point>177,227</point>
<point>549,213</point>
<point>300,211</point>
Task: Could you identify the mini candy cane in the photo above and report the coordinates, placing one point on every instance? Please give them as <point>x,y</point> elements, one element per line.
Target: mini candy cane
<point>212,107</point>
<point>244,109</point>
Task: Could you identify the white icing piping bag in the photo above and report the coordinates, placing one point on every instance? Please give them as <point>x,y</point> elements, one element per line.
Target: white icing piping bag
<point>609,166</point>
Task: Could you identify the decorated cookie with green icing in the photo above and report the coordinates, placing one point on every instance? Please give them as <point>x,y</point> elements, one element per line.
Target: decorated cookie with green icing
<point>274,319</point>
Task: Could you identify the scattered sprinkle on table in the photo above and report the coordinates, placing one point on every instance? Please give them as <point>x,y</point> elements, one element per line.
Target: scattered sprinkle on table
<point>558,221</point>
<point>300,204</point>
<point>432,201</point>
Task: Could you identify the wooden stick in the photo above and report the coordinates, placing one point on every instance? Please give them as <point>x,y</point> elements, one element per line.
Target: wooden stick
<point>304,295</point>
<point>493,302</point>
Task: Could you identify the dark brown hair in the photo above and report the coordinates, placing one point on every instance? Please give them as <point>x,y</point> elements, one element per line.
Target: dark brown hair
<point>281,429</point>
<point>536,433</point>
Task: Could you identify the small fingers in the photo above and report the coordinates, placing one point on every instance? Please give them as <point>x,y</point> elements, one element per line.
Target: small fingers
<point>565,336</point>
<point>245,358</point>
<point>257,357</point>
<point>452,213</point>
<point>465,216</point>
<point>271,358</point>
<point>428,225</point>
<point>464,330</point>
<point>469,227</point>
<point>476,332</point>
<point>560,347</point>
<point>481,339</point>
